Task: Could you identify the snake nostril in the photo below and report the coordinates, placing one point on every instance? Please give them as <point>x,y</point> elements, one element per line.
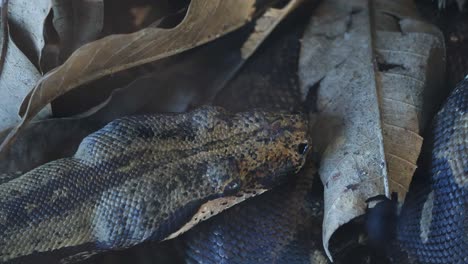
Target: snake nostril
<point>302,148</point>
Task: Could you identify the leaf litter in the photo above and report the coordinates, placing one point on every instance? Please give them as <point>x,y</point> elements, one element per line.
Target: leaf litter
<point>373,75</point>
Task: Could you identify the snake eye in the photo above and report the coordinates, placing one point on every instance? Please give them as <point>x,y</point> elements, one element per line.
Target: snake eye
<point>302,148</point>
<point>232,187</point>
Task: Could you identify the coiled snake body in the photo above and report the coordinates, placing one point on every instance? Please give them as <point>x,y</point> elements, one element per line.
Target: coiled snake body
<point>433,225</point>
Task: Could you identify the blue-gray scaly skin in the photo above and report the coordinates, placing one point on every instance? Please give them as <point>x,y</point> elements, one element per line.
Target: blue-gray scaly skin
<point>433,227</point>
<point>142,178</point>
<point>281,226</point>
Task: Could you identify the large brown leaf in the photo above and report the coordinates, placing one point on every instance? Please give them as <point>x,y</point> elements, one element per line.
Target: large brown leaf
<point>205,21</point>
<point>372,78</point>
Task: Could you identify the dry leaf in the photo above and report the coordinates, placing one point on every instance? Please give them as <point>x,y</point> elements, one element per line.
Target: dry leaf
<point>370,115</point>
<point>27,21</point>
<point>193,77</point>
<point>205,21</point>
<point>177,83</point>
<point>77,23</point>
<point>17,78</point>
<point>411,67</point>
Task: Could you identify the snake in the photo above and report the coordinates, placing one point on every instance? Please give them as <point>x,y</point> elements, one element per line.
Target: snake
<point>147,178</point>
<point>432,225</point>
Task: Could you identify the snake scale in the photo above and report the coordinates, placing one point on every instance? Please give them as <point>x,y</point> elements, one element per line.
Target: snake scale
<point>432,227</point>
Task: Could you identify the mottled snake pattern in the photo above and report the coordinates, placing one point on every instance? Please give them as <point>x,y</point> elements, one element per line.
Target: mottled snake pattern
<point>147,178</point>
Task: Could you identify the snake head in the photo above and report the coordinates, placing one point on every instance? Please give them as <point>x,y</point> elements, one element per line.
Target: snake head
<point>269,147</point>
<point>241,155</point>
<point>251,150</point>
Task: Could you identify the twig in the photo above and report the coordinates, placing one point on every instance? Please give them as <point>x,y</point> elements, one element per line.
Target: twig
<point>4,22</point>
